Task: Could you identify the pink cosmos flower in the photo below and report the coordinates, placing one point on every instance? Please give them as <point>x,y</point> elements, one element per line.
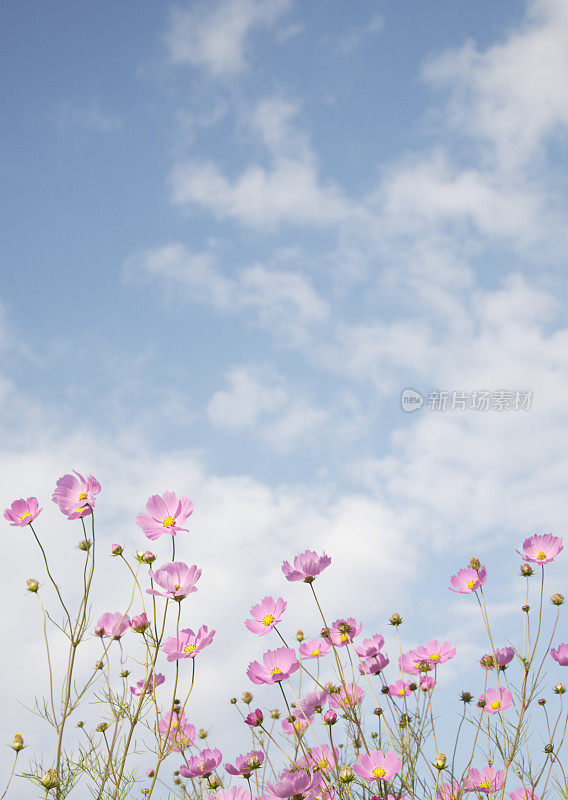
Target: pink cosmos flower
<point>502,657</point>
<point>176,579</point>
<point>22,512</point>
<point>352,697</point>
<point>255,718</point>
<point>181,732</point>
<point>370,647</point>
<point>314,648</point>
<point>468,580</point>
<point>297,723</point>
<point>375,766</point>
<point>265,615</point>
<point>312,702</point>
<point>75,496</point>
<point>524,794</point>
<point>427,683</point>
<point>234,793</point>
<point>140,623</point>
<point>278,665</point>
<point>111,625</point>
<point>245,764</point>
<point>292,784</point>
<point>165,514</point>
<point>488,780</point>
<point>400,689</point>
<point>374,665</point>
<point>202,766</point>
<point>343,631</point>
<point>450,791</point>
<point>496,700</point>
<point>541,548</point>
<point>560,655</point>
<point>147,686</point>
<point>187,644</point>
<point>306,567</point>
<point>319,758</point>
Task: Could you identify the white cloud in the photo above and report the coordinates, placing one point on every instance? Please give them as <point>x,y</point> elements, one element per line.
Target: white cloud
<point>216,35</point>
<point>70,116</point>
<point>355,37</point>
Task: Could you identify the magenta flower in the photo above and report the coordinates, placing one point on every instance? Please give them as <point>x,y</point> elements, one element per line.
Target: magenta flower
<point>374,665</point>
<point>541,548</point>
<point>75,496</point>
<point>181,732</point>
<point>343,631</point>
<point>312,702</point>
<point>202,766</point>
<point>502,657</point>
<point>265,615</point>
<point>315,648</point>
<point>22,512</point>
<point>111,625</point>
<point>176,579</point>
<point>165,514</point>
<point>468,580</point>
<point>292,784</point>
<point>488,780</point>
<point>277,666</point>
<point>330,717</point>
<point>370,647</point>
<point>352,697</point>
<point>146,686</point>
<point>375,766</point>
<point>140,622</point>
<point>400,689</point>
<point>245,764</point>
<point>306,567</point>
<point>187,644</point>
<point>496,700</point>
<point>560,654</point>
<point>255,718</point>
<point>523,793</point>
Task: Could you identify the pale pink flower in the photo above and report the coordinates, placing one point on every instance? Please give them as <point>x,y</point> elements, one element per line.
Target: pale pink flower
<point>376,766</point>
<point>370,647</point>
<point>202,766</point>
<point>245,764</point>
<point>346,699</point>
<point>560,654</point>
<point>187,644</point>
<point>319,758</point>
<point>265,615</point>
<point>312,702</point>
<point>400,689</point>
<point>277,666</point>
<point>298,724</point>
<point>111,625</point>
<point>427,683</point>
<point>140,623</point>
<point>181,732</point>
<point>306,567</point>
<point>523,793</point>
<point>315,648</point>
<point>293,784</point>
<point>488,780</point>
<point>176,579</point>
<point>146,686</point>
<point>374,665</point>
<point>164,514</point>
<point>343,631</point>
<point>468,580</point>
<point>496,700</point>
<point>22,512</point>
<point>541,548</point>
<point>75,495</point>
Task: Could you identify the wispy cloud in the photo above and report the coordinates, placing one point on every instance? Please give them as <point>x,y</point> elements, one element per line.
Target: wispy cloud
<point>72,116</point>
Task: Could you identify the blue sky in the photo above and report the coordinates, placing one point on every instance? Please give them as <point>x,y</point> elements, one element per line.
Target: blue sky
<point>235,231</point>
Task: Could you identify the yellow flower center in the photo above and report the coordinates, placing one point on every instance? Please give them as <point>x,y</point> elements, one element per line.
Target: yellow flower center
<point>175,723</point>
<point>177,587</point>
<point>275,671</point>
<point>401,692</point>
<point>168,522</point>
<point>23,516</point>
<point>485,785</point>
<point>496,704</point>
<point>83,496</point>
<point>80,510</point>
<point>323,763</point>
<point>541,555</point>
<point>435,657</point>
<point>189,648</point>
<point>343,637</point>
<point>471,584</point>
<point>268,620</point>
<point>379,772</point>
<point>316,652</point>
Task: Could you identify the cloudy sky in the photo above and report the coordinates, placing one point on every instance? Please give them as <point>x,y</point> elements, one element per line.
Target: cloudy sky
<point>233,233</point>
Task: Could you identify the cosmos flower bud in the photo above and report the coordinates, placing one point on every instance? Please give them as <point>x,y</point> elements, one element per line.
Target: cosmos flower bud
<point>559,688</point>
<point>18,743</point>
<point>255,718</point>
<point>330,717</point>
<point>145,791</point>
<point>395,619</point>
<point>202,733</point>
<point>378,711</point>
<point>150,772</point>
<point>440,762</point>
<point>374,735</point>
<point>80,724</point>
<point>148,557</point>
<point>474,563</point>
<point>140,555</point>
<point>116,550</point>
<point>247,697</point>
<point>49,779</point>
<point>481,703</point>
<point>300,635</point>
<point>526,609</point>
<point>177,781</point>
<point>101,727</point>
<point>32,585</point>
<point>466,697</point>
<point>99,631</point>
<point>233,700</point>
<point>125,673</point>
<point>542,701</point>
<point>549,748</point>
<point>413,686</point>
<point>346,774</point>
<point>140,623</point>
<point>275,714</point>
<point>487,661</point>
<point>324,633</point>
<point>403,722</point>
<point>526,570</point>
<point>557,599</point>
<point>85,544</point>
<point>99,664</point>
<point>214,782</point>
<point>385,690</point>
<point>424,665</point>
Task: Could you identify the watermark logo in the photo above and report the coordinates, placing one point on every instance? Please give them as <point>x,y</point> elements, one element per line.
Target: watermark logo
<point>411,400</point>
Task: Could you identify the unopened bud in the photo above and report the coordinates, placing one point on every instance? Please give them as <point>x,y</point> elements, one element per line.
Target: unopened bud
<point>274,713</point>
<point>549,748</point>
<point>413,686</point>
<point>202,733</point>
<point>300,635</point>
<point>542,701</point>
<point>324,633</point>
<point>233,700</point>
<point>395,619</point>
<point>32,585</point>
<point>99,664</point>
<point>526,609</point>
<point>247,697</point>
<point>80,724</point>
<point>214,782</point>
<point>49,779</point>
<point>150,772</point>
<point>85,544</point>
<point>125,673</point>
<point>330,717</point>
<point>177,781</point>
<point>255,718</point>
<point>557,599</point>
<point>116,550</point>
<point>403,722</point>
<point>440,762</point>
<point>466,697</point>
<point>101,727</point>
<point>18,743</point>
<point>346,774</point>
<point>526,570</point>
<point>378,711</point>
<point>474,563</point>
<point>559,688</point>
<point>148,557</point>
<point>481,703</point>
<point>385,690</point>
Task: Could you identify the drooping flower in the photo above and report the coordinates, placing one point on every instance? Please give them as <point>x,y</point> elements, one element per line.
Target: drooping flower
<point>370,647</point>
<point>346,699</point>
<point>376,766</point>
<point>292,784</point>
<point>22,512</point>
<point>146,686</point>
<point>307,566</point>
<point>202,765</point>
<point>181,732</point>
<point>312,702</point>
<point>315,648</point>
<point>75,496</point>
<point>245,764</point>
<point>468,580</point>
<point>265,615</point>
<point>374,665</point>
<point>541,548</point>
<point>164,514</point>
<point>343,631</point>
<point>111,625</point>
<point>140,622</point>
<point>400,689</point>
<point>524,793</point>
<point>176,579</point>
<point>187,644</point>
<point>277,666</point>
<point>488,780</point>
<point>560,654</point>
<point>496,700</point>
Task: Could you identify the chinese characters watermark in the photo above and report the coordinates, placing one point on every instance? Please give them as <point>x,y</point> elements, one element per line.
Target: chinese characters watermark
<point>476,400</point>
